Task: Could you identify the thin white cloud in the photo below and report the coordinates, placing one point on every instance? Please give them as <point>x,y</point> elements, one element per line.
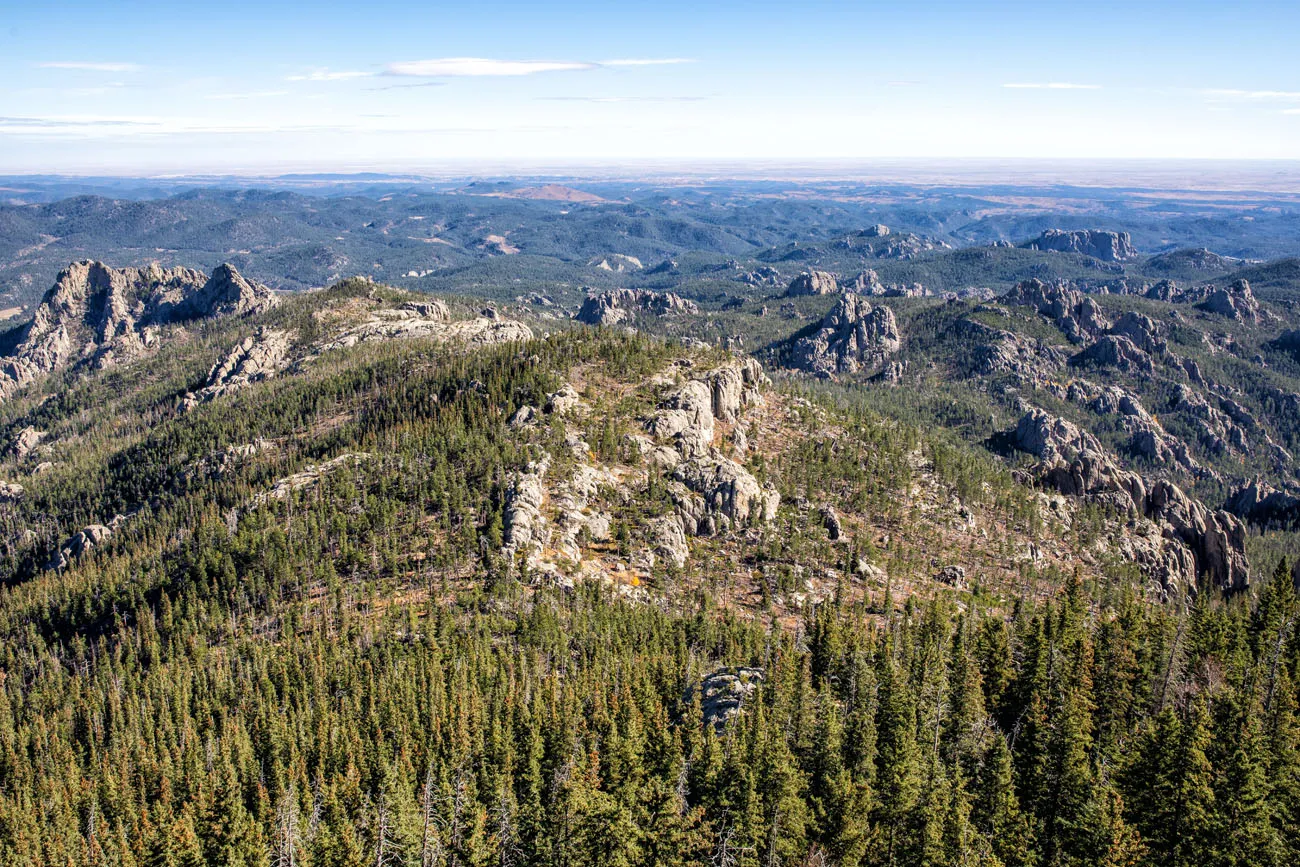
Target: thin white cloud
<point>622,98</point>
<point>259,94</point>
<point>646,61</point>
<point>458,67</point>
<point>90,65</point>
<point>1052,85</point>
<point>328,75</point>
<point>1291,111</point>
<point>1254,95</point>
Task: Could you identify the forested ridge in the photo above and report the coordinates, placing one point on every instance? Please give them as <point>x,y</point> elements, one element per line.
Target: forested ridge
<point>353,674</point>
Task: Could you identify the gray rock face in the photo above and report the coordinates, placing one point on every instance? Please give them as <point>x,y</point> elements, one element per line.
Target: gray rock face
<point>81,543</point>
<point>1142,331</point>
<point>1117,352</point>
<point>252,360</point>
<point>1075,464</point>
<point>620,305</point>
<point>1050,438</point>
<point>724,692</point>
<point>668,540</point>
<point>813,283</point>
<point>26,442</point>
<point>855,336</point>
<point>831,521</point>
<point>1106,246</point>
<point>105,315</point>
<point>1234,301</point>
<point>1075,314</point>
<point>729,491</point>
<point>1263,505</point>
<point>995,352</point>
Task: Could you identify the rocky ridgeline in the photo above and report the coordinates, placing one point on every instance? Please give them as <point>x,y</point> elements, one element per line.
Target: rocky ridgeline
<point>1106,246</point>
<point>252,360</point>
<point>1175,538</point>
<point>622,305</point>
<point>100,315</point>
<point>854,337</point>
<point>430,319</point>
<point>1077,315</point>
<point>1235,301</point>
<point>545,518</point>
<point>864,283</point>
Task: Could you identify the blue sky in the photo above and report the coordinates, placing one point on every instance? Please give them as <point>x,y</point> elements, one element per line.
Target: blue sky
<point>153,88</point>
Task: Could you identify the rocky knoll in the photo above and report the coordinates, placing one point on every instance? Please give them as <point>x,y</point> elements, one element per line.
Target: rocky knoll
<point>854,336</point>
<point>620,305</point>
<point>813,283</point>
<point>1077,315</point>
<point>1106,246</point>
<point>548,514</point>
<point>1235,301</point>
<point>1183,539</point>
<point>102,315</point>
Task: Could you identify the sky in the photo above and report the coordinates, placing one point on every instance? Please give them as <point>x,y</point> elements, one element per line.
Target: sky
<point>147,88</point>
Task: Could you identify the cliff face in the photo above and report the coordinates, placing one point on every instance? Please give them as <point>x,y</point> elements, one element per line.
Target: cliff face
<point>104,315</point>
<point>1106,246</point>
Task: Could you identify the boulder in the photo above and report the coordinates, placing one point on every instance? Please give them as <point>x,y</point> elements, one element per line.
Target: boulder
<point>11,492</point>
<point>80,544</point>
<point>723,693</point>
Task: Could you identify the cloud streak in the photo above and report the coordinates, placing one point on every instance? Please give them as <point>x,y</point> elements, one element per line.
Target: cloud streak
<point>467,67</point>
<point>328,75</point>
<point>486,67</point>
<point>1254,95</point>
<point>90,66</point>
<point>1051,85</point>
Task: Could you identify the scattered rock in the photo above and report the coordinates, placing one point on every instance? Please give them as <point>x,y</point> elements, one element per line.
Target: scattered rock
<point>954,576</point>
<point>81,543</point>
<point>11,492</point>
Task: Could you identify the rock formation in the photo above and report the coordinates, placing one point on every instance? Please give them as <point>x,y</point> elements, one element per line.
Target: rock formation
<point>1075,314</point>
<point>430,319</point>
<point>1234,301</point>
<point>1261,504</point>
<point>1106,246</point>
<point>813,283</point>
<point>252,360</point>
<point>102,315</point>
<point>620,305</point>
<point>854,336</point>
<point>723,693</point>
<point>1073,462</point>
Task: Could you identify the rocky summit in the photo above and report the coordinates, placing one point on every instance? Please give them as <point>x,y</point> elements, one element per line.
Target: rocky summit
<point>1106,246</point>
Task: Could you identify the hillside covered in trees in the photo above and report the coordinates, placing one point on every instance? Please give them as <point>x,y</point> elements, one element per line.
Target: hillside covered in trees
<point>359,577</point>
